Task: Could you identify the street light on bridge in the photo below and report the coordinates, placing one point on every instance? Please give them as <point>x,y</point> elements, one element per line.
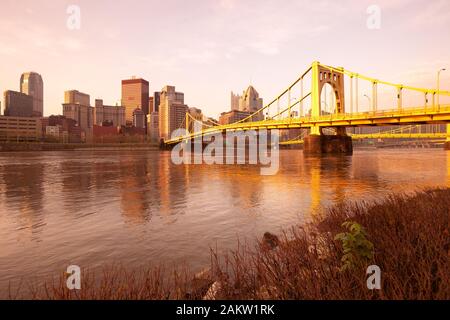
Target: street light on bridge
<point>290,103</point>
<point>438,83</point>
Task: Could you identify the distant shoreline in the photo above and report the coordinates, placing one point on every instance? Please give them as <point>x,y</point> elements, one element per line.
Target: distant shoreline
<point>33,146</point>
<point>46,146</point>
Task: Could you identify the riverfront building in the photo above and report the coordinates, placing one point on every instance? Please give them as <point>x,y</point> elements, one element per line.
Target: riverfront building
<point>138,118</point>
<point>57,128</point>
<point>108,115</point>
<point>17,129</point>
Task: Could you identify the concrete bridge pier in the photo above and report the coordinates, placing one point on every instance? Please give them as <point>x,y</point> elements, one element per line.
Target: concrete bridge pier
<point>317,143</point>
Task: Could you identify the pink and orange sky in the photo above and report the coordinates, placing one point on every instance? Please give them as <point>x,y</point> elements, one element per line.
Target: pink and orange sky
<point>206,48</point>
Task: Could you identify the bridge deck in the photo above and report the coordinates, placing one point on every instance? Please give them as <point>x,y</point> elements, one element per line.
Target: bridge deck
<point>423,115</point>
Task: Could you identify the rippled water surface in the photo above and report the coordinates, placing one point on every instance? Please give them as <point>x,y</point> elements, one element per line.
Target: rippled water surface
<point>93,208</point>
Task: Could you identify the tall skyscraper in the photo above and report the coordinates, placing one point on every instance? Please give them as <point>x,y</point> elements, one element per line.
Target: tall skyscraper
<point>151,105</point>
<point>135,93</point>
<point>31,84</point>
<point>250,100</point>
<point>18,104</point>
<point>242,106</point>
<point>77,106</point>
<point>172,111</point>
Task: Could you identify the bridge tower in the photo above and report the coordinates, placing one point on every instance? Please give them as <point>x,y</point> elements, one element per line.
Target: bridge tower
<point>317,142</point>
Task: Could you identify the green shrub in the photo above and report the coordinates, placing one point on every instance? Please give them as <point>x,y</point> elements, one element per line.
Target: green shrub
<point>356,247</point>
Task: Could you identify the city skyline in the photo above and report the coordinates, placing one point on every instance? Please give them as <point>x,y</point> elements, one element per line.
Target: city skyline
<point>220,53</point>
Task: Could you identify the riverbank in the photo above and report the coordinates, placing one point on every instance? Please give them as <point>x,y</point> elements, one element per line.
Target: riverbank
<point>406,236</point>
<point>36,146</point>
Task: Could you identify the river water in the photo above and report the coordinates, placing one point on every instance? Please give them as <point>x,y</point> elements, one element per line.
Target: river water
<point>95,208</point>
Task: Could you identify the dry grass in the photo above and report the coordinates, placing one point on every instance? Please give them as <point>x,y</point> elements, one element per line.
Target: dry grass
<point>410,235</point>
<point>411,242</point>
<point>116,282</point>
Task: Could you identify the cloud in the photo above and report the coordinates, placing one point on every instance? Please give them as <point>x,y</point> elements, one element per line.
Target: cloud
<point>20,37</point>
<point>69,43</point>
<point>111,34</point>
<point>433,14</point>
<point>198,56</point>
<point>267,27</point>
<point>227,4</point>
<point>6,50</point>
<point>266,48</point>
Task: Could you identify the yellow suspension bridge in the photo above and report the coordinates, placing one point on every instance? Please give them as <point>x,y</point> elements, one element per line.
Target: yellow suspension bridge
<point>300,106</point>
